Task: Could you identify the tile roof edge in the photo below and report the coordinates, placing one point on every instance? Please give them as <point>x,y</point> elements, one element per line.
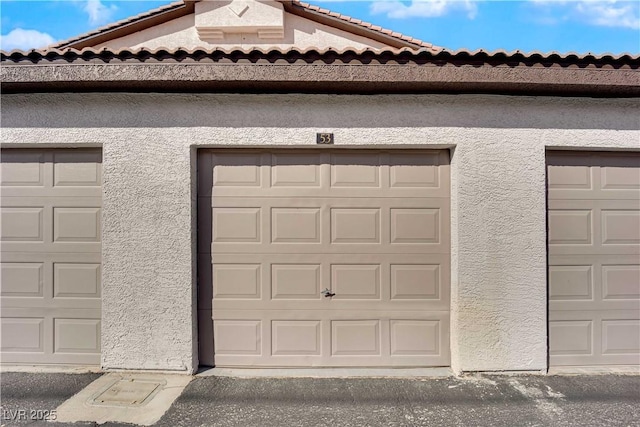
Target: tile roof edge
<point>246,51</point>
<point>548,54</point>
<point>362,24</point>
<point>121,23</point>
<point>480,54</point>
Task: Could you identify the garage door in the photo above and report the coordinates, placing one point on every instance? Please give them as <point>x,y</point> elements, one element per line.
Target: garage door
<point>50,213</point>
<point>594,257</point>
<point>318,258</point>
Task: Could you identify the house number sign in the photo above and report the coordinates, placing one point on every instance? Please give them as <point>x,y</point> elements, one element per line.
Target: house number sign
<point>324,138</point>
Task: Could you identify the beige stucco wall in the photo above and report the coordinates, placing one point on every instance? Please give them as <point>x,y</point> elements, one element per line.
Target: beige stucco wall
<point>498,198</point>
<point>298,32</point>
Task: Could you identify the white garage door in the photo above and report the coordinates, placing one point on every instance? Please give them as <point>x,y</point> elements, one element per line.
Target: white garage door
<point>594,258</point>
<point>325,258</point>
<point>50,213</point>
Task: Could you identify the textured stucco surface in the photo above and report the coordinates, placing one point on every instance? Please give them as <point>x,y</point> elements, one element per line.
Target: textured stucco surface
<point>299,32</point>
<point>498,198</point>
<point>358,78</point>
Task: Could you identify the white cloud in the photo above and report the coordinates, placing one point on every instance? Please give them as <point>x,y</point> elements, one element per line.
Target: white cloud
<point>98,12</point>
<point>424,8</point>
<point>25,40</point>
<point>607,13</point>
<point>610,13</point>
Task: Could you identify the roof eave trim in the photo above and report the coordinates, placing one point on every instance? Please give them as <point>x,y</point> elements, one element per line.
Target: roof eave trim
<point>322,18</point>
<point>337,79</point>
<point>98,36</point>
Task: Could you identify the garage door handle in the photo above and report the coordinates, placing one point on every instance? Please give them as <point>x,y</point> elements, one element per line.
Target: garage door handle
<point>327,293</point>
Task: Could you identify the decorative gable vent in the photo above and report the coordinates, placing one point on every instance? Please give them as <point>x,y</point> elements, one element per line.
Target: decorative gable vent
<point>214,18</point>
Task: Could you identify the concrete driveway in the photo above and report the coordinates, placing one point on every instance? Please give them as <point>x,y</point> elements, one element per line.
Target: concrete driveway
<point>598,400</point>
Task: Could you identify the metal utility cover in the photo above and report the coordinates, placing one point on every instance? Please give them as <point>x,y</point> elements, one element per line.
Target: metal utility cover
<point>51,256</point>
<point>324,257</point>
<point>128,392</point>
<point>594,258</point>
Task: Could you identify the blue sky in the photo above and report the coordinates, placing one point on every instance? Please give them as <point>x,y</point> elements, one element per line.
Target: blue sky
<point>528,25</point>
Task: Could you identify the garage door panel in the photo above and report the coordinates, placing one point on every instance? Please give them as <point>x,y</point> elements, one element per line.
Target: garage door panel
<point>363,249</point>
<point>296,337</point>
<point>593,197</point>
<point>621,337</point>
<point>334,202</point>
<point>76,224</point>
<point>594,176</point>
<point>51,224</point>
<point>332,258</point>
<point>594,248</point>
<point>594,205</point>
<point>296,170</point>
<point>59,336</point>
<point>59,246</point>
<point>620,227</point>
<point>49,358</point>
<point>576,283</point>
<point>22,224</point>
<point>591,258</point>
<point>619,177</point>
<point>595,304</point>
<point>621,282</point>
<point>22,168</point>
<point>358,283</point>
<point>375,306</point>
<point>316,228</point>
<point>584,251</point>
<point>415,337</point>
<point>326,338</point>
<point>77,168</point>
<point>295,225</point>
<point>340,247</point>
<point>239,170</point>
<point>329,314</point>
<point>570,177</point>
<point>582,338</point>
<point>284,174</point>
<point>51,202</point>
<point>587,360</point>
<point>49,305</point>
<point>22,279</point>
<point>237,225</point>
<point>51,255</point>
<point>295,282</point>
<point>55,312</point>
<point>76,335</point>
<point>321,192</point>
<point>409,171</point>
<point>356,337</point>
<point>64,359</point>
<point>20,334</point>
<point>65,192</point>
<point>571,282</point>
<point>370,227</point>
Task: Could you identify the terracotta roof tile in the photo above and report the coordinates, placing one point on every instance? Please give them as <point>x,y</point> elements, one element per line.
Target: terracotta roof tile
<point>405,55</point>
<point>349,71</point>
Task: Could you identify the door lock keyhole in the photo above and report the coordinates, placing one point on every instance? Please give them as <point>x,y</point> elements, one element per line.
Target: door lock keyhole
<point>327,293</point>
